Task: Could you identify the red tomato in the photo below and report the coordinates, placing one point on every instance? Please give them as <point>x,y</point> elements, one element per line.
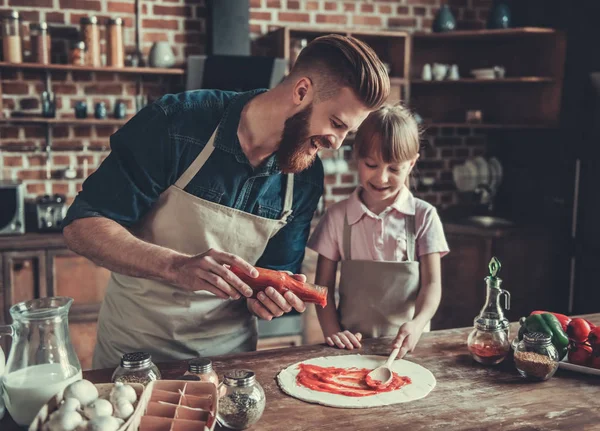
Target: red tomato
<point>580,354</point>
<point>594,336</point>
<point>578,330</point>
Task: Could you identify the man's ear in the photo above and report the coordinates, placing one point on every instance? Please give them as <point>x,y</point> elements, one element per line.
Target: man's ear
<point>303,91</point>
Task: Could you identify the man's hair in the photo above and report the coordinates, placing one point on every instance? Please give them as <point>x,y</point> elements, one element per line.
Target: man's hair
<point>333,62</point>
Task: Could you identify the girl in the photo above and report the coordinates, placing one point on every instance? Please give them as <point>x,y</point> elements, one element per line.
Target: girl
<point>389,242</point>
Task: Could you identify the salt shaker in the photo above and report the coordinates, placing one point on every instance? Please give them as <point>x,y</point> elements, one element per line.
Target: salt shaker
<point>202,367</point>
<point>243,401</point>
<point>535,356</point>
<point>136,367</point>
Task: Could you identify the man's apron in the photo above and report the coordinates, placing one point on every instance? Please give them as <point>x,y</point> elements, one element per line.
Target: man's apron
<point>377,297</point>
<point>170,323</point>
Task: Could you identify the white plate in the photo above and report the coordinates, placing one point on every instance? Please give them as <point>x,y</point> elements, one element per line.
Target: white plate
<point>497,169</point>
<point>579,368</point>
<point>483,170</point>
<point>472,174</point>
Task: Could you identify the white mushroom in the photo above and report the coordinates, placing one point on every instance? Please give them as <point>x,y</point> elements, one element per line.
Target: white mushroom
<point>70,405</point>
<point>100,407</point>
<point>65,421</point>
<point>121,390</point>
<point>123,408</point>
<point>104,423</point>
<point>83,390</point>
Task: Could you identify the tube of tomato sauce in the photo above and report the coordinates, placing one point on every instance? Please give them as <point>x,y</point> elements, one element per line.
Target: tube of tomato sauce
<point>282,282</point>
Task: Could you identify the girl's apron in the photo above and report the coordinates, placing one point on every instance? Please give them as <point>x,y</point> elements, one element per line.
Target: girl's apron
<point>170,323</point>
<point>377,297</point>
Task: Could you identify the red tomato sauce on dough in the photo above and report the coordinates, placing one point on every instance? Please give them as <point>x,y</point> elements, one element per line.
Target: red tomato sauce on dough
<point>350,382</point>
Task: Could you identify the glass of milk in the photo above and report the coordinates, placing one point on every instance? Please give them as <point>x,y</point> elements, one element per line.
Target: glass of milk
<point>41,361</point>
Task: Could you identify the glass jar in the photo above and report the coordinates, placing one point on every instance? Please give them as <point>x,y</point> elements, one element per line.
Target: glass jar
<point>11,38</point>
<point>91,37</point>
<point>78,53</point>
<point>115,50</point>
<point>40,42</point>
<point>202,367</point>
<point>136,367</point>
<point>488,342</point>
<point>535,356</point>
<point>243,400</point>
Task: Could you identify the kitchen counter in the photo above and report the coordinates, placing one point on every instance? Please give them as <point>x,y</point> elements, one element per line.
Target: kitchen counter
<point>468,396</point>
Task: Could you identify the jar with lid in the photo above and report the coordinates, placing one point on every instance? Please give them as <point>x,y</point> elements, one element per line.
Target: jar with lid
<point>78,53</point>
<point>488,342</point>
<point>91,37</point>
<point>115,50</point>
<point>11,38</point>
<point>535,356</point>
<point>243,400</point>
<point>40,42</point>
<point>136,367</point>
<point>202,367</point>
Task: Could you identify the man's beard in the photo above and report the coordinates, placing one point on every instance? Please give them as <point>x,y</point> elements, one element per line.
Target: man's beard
<point>293,153</point>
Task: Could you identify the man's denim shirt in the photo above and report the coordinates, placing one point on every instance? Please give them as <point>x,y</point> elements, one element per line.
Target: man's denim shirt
<point>155,147</point>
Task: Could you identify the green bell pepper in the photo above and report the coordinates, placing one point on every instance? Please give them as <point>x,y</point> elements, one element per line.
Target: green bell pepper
<point>548,324</point>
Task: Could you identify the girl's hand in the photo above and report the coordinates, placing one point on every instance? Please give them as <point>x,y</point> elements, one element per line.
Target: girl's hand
<point>407,338</point>
<point>344,340</point>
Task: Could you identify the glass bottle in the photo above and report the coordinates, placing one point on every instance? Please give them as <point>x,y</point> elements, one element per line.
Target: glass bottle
<point>91,37</point>
<point>492,309</point>
<point>535,356</point>
<point>41,361</point>
<point>115,50</point>
<point>11,38</point>
<point>488,342</point>
<point>78,53</point>
<point>136,367</point>
<point>243,400</point>
<point>40,42</point>
<point>202,367</point>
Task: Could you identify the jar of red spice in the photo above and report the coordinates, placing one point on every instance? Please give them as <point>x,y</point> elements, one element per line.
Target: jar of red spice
<point>488,342</point>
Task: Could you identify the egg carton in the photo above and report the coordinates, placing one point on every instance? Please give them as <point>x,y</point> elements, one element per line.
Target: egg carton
<point>172,405</point>
<point>103,392</point>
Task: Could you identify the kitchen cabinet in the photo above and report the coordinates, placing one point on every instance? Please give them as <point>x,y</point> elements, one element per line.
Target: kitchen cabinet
<point>529,257</point>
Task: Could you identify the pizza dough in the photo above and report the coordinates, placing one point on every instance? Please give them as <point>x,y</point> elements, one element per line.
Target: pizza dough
<point>422,382</point>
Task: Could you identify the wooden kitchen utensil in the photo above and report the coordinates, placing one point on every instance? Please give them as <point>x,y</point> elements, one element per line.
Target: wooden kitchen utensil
<point>382,376</point>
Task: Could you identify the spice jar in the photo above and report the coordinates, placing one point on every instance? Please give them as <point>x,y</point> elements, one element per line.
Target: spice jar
<point>78,53</point>
<point>136,367</point>
<point>243,402</point>
<point>488,342</point>
<point>11,38</point>
<point>202,367</point>
<point>115,50</point>
<point>535,356</point>
<point>91,37</point>
<point>40,42</point>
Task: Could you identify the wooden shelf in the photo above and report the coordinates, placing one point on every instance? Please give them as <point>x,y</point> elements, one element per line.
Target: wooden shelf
<point>491,126</point>
<point>398,81</point>
<point>491,34</point>
<point>69,121</point>
<point>516,80</point>
<point>72,68</point>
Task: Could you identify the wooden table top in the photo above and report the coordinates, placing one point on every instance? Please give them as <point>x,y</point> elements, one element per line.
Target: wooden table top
<point>468,396</point>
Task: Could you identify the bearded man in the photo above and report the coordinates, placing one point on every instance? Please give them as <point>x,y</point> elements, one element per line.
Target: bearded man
<point>203,180</point>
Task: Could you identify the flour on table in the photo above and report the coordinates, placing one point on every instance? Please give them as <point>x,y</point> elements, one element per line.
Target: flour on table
<point>422,382</point>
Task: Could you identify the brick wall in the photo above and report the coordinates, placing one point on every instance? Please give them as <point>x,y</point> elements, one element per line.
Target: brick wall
<point>182,24</point>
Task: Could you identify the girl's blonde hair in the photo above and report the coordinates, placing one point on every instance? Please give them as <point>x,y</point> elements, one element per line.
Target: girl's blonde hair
<point>391,132</point>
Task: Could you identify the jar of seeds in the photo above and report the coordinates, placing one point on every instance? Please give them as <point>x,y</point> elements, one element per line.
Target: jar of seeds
<point>243,400</point>
<point>535,356</point>
<point>136,367</point>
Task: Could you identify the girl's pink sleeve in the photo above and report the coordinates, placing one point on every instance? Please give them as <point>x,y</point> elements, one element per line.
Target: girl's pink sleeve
<point>324,239</point>
<point>430,234</point>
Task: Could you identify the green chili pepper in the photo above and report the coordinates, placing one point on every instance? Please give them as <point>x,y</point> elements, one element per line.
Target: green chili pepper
<point>548,324</point>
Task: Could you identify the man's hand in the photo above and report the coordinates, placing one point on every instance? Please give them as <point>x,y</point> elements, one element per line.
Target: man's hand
<point>210,271</point>
<point>271,303</point>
